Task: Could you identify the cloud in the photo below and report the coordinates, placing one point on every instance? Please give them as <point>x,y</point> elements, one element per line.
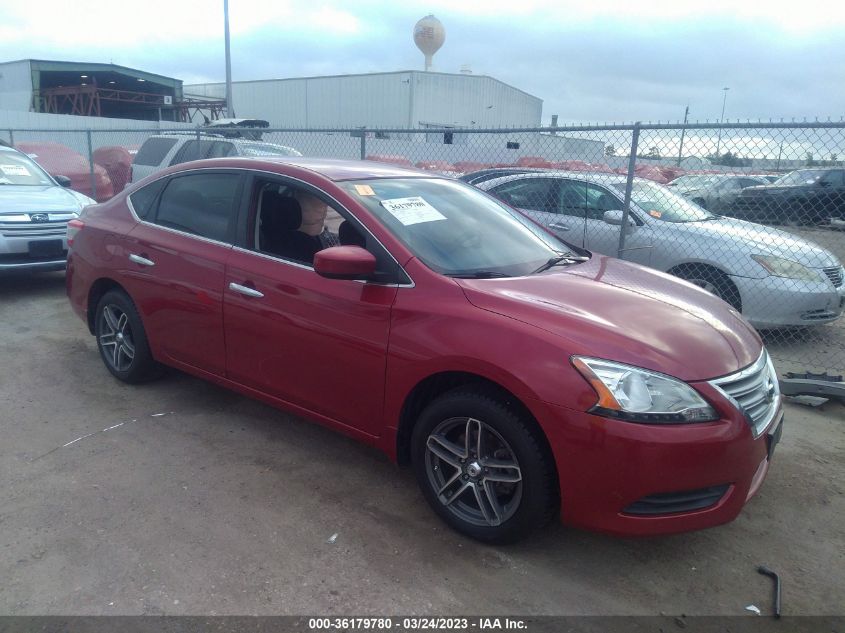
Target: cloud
<point>603,60</point>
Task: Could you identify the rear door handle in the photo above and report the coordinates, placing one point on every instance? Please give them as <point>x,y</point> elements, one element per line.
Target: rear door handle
<point>245,290</point>
<point>143,261</point>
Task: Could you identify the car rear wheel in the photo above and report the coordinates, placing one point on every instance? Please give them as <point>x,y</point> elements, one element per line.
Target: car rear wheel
<point>483,467</point>
<point>122,340</point>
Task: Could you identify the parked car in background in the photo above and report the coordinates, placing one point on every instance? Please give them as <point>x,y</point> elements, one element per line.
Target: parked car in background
<point>117,161</point>
<point>164,150</point>
<point>475,177</point>
<point>804,196</point>
<point>774,278</point>
<point>522,377</point>
<point>60,160</point>
<point>34,212</point>
<point>714,192</point>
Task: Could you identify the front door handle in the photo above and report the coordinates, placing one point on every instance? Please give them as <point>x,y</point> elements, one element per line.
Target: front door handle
<point>245,290</point>
<point>559,227</point>
<point>143,261</point>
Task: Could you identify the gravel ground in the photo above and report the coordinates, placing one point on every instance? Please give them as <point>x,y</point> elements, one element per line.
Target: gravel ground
<point>225,506</point>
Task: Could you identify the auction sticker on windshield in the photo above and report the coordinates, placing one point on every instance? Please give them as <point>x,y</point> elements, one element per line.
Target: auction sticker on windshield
<point>413,210</point>
<point>15,170</point>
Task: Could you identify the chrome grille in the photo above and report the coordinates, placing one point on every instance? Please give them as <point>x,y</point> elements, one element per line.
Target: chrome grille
<point>21,225</point>
<point>754,391</point>
<point>835,274</point>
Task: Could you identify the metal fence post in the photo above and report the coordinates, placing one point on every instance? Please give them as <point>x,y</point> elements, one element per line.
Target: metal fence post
<point>363,143</point>
<point>199,154</point>
<point>91,165</point>
<point>12,138</point>
<point>629,184</point>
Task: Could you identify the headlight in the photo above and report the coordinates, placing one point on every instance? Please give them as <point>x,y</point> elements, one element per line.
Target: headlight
<point>780,267</point>
<point>639,395</point>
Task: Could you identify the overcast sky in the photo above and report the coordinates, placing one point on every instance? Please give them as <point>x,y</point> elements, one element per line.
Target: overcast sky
<point>590,60</point>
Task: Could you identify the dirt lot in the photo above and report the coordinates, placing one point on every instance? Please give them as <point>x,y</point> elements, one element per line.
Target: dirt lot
<point>225,506</point>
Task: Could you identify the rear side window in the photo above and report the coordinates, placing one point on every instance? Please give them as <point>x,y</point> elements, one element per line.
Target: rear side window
<point>153,151</point>
<point>193,151</point>
<point>144,199</point>
<point>201,204</point>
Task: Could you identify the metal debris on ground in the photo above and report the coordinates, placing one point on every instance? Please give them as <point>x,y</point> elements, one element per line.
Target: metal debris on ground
<point>753,609</point>
<point>332,538</point>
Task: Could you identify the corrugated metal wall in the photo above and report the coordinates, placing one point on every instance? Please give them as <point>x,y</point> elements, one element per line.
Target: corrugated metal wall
<point>401,99</point>
<point>15,86</point>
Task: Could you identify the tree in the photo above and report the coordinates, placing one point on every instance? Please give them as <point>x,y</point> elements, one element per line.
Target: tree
<point>810,159</point>
<point>609,150</point>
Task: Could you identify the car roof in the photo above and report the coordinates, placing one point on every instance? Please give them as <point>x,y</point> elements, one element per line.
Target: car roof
<point>330,168</point>
<point>598,178</point>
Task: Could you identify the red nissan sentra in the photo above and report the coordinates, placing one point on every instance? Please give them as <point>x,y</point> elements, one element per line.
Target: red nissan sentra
<point>520,376</point>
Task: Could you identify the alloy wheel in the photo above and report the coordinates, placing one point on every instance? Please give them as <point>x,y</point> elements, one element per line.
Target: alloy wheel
<point>473,471</point>
<point>115,338</point>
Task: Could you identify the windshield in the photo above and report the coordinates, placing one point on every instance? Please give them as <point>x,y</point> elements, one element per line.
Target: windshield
<point>261,149</point>
<point>664,204</point>
<point>19,169</point>
<point>801,177</point>
<point>456,229</point>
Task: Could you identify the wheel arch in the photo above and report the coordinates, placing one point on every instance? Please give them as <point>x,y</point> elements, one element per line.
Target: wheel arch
<point>695,267</point>
<point>435,385</point>
<point>98,289</point>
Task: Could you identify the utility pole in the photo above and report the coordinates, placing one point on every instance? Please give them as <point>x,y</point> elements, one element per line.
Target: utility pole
<point>721,120</point>
<point>229,110</point>
<point>683,132</point>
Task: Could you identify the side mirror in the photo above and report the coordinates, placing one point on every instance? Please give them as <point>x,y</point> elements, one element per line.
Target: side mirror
<point>64,181</point>
<point>615,218</point>
<point>345,262</point>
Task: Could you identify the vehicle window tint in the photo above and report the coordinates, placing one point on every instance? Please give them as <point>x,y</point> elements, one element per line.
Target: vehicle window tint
<point>144,199</point>
<point>535,194</point>
<point>192,151</point>
<point>221,149</point>
<point>153,151</point>
<point>749,182</point>
<point>202,204</point>
<point>582,199</point>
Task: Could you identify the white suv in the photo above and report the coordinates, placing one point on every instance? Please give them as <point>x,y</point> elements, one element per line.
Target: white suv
<point>164,150</point>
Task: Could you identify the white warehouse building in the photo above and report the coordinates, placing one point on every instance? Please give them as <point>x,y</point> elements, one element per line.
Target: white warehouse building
<point>407,100</point>
<point>404,99</point>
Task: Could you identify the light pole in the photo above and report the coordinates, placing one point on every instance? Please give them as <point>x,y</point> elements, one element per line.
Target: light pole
<point>683,132</point>
<point>229,109</point>
<point>721,120</point>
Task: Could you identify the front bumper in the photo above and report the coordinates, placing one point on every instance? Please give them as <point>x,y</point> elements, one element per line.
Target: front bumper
<point>773,302</point>
<point>606,467</point>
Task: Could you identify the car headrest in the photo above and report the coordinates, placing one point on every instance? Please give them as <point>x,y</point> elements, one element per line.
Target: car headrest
<point>348,235</point>
<point>279,212</point>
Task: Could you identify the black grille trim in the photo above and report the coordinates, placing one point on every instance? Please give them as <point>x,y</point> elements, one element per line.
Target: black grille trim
<point>677,502</point>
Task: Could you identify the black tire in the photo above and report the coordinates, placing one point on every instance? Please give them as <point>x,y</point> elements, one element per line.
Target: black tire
<point>523,506</point>
<point>713,280</point>
<point>116,337</point>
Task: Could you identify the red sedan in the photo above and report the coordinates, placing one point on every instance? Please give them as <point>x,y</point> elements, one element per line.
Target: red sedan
<point>520,376</point>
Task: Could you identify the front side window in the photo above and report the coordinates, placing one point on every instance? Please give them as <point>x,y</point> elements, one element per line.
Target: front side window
<point>192,150</point>
<point>456,229</point>
<point>201,204</point>
<point>584,200</point>
<point>19,169</point>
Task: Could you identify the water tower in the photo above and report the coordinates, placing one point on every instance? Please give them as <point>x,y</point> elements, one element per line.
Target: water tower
<point>429,36</point>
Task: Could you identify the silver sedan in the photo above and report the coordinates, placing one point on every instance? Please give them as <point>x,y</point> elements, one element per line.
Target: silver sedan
<point>773,278</point>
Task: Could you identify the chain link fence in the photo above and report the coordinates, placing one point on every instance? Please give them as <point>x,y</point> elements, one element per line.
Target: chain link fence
<point>753,212</point>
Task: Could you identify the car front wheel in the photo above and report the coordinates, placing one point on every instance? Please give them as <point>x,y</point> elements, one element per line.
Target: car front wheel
<point>483,467</point>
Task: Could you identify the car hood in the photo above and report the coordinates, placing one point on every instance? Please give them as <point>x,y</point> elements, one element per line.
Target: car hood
<point>623,312</point>
<point>40,199</point>
<point>739,236</point>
